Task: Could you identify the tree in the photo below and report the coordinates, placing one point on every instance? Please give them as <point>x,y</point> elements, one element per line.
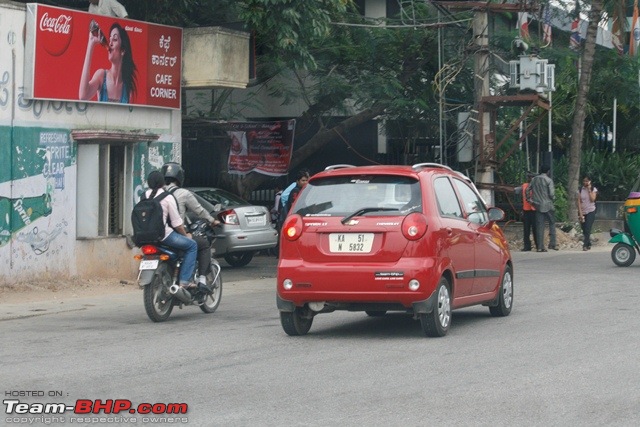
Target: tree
<point>344,64</point>
<point>595,15</point>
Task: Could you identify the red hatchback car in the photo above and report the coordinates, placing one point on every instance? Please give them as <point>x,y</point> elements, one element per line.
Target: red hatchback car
<point>417,239</point>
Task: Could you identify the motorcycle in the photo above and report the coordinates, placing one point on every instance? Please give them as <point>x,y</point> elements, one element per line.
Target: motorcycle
<point>158,277</point>
<point>626,242</point>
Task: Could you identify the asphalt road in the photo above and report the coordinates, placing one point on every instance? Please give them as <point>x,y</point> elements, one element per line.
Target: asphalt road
<point>567,355</point>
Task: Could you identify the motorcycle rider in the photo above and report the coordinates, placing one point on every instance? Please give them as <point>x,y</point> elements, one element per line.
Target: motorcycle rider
<point>175,235</point>
<point>187,202</point>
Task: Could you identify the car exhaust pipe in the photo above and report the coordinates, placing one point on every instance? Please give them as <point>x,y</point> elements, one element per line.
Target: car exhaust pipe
<point>181,293</point>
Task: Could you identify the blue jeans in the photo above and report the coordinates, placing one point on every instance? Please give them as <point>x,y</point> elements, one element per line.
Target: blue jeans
<point>189,249</point>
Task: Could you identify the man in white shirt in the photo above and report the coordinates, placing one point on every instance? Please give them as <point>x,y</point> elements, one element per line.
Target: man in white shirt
<point>108,8</point>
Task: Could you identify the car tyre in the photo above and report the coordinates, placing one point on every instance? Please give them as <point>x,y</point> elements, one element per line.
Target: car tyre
<point>436,323</point>
<point>505,298</point>
<point>623,255</point>
<point>297,322</point>
<point>238,259</point>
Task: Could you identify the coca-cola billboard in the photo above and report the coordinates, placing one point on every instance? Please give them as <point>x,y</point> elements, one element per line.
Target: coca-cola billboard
<point>77,56</point>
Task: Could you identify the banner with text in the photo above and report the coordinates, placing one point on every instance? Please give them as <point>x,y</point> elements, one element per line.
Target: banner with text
<point>77,56</point>
<point>263,147</point>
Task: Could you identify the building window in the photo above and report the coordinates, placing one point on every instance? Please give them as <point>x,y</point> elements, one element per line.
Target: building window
<point>104,175</point>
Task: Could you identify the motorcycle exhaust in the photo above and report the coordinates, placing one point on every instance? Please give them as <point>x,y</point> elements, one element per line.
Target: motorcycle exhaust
<point>180,293</point>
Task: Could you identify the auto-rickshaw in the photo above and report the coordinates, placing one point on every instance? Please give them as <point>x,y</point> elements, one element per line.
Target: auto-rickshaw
<point>626,242</point>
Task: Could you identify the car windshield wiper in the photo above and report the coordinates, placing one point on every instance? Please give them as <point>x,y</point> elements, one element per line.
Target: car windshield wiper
<point>364,211</point>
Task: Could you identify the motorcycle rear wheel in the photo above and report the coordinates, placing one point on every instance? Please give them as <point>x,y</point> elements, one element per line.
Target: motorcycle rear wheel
<point>158,301</point>
<point>212,301</point>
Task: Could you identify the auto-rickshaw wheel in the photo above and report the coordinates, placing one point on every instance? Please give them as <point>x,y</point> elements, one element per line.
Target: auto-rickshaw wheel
<point>623,255</point>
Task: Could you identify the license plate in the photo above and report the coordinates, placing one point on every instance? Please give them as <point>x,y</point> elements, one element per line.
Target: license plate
<point>148,264</point>
<point>256,220</point>
<point>350,242</point>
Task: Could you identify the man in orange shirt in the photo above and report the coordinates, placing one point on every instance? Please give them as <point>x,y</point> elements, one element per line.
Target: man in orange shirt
<point>528,215</point>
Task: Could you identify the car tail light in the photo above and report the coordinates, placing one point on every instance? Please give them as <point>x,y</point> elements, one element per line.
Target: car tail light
<point>149,250</point>
<point>414,226</point>
<point>292,228</point>
<point>229,217</point>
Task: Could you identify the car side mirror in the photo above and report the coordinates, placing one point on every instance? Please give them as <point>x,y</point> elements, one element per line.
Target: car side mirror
<point>495,214</point>
<point>217,207</point>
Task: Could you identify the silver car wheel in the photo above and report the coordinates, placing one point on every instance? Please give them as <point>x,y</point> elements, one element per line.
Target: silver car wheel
<point>444,306</point>
<point>507,289</point>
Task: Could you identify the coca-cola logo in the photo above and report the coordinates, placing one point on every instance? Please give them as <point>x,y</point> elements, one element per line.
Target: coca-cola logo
<point>55,32</point>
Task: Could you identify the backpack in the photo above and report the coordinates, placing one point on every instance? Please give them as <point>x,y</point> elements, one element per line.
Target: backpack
<point>147,219</point>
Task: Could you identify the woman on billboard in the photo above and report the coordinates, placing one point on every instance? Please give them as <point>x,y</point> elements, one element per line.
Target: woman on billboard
<point>118,83</point>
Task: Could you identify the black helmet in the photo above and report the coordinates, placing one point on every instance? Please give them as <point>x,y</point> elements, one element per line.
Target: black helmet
<point>173,171</point>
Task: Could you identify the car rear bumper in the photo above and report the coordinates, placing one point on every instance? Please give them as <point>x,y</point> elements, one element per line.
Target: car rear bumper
<point>238,241</point>
<point>360,287</point>
<point>417,307</point>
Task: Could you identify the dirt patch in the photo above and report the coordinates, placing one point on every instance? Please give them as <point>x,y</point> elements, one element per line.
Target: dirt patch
<point>566,240</point>
<point>63,290</point>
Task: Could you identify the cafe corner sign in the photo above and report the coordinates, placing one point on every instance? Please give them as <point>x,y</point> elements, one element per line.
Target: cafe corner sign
<point>77,56</point>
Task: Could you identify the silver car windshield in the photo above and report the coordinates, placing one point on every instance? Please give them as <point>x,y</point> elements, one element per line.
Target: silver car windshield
<point>374,195</point>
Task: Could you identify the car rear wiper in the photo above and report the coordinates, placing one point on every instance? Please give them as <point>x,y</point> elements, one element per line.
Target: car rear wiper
<point>364,211</point>
<point>314,209</point>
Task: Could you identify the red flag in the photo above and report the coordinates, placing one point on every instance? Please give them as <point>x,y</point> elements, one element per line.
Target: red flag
<point>523,24</point>
<point>575,39</point>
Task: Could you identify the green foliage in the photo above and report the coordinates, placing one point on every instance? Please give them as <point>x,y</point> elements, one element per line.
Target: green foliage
<point>612,173</point>
<point>561,204</point>
<point>289,29</point>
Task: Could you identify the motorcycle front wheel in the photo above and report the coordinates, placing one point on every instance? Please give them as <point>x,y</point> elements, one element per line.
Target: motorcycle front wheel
<point>158,301</point>
<point>214,281</point>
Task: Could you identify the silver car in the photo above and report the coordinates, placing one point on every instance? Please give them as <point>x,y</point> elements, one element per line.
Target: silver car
<point>245,228</point>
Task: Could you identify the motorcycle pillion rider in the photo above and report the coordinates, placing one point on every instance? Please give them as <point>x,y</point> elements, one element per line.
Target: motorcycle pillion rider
<point>175,235</point>
<point>187,202</point>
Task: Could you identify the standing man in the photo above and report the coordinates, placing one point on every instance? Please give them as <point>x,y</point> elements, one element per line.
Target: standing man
<point>284,197</point>
<point>528,215</point>
<point>108,8</point>
<point>301,181</point>
<point>542,194</point>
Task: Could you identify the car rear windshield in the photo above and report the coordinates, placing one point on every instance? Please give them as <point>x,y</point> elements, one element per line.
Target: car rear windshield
<point>385,195</point>
<point>220,197</point>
